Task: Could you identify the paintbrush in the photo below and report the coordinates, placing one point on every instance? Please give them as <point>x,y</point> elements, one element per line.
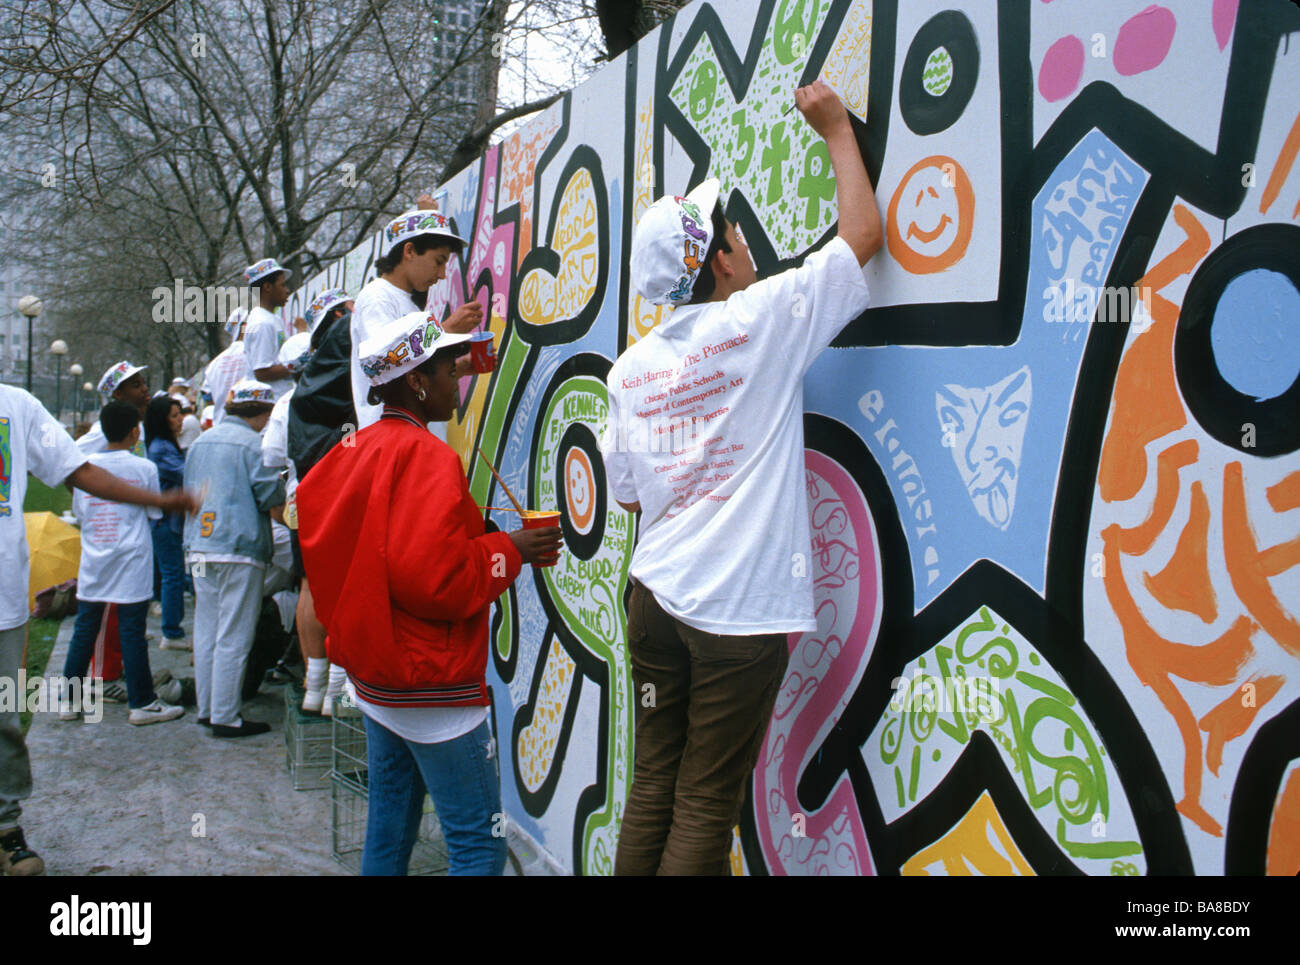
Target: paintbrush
<point>519,509</point>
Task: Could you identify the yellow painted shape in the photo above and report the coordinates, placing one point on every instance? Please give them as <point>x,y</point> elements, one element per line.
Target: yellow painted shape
<point>545,298</point>
<point>538,740</point>
<point>978,844</point>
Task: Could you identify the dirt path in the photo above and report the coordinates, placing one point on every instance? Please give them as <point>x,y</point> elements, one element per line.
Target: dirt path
<point>168,799</point>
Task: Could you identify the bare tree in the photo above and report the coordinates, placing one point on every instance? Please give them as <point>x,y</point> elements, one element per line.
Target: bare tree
<point>48,48</point>
<point>624,22</point>
<point>218,132</point>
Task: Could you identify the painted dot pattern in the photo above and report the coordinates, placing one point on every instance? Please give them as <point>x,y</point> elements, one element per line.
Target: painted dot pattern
<point>769,156</point>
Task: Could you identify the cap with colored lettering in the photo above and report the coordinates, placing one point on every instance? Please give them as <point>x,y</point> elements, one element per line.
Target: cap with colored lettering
<point>671,243</point>
<point>250,391</point>
<point>118,374</point>
<point>404,344</point>
<point>260,269</point>
<point>412,224</point>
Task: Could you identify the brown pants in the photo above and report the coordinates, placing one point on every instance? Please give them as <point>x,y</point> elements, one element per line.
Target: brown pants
<point>699,726</point>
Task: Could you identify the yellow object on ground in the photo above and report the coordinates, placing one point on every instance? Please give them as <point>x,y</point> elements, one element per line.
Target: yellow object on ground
<point>55,548</point>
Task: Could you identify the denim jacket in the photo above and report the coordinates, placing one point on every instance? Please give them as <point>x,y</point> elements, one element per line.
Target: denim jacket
<point>171,473</point>
<point>232,524</point>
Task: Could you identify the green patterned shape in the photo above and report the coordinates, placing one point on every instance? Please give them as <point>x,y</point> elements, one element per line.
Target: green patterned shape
<point>973,681</point>
<point>771,157</point>
<point>588,597</point>
<point>937,77</point>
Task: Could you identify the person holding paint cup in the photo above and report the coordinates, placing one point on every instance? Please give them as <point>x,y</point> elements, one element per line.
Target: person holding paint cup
<point>482,353</point>
<point>403,575</point>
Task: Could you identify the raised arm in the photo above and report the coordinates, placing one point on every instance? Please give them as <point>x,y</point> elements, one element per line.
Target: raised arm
<point>102,483</point>
<point>859,215</point>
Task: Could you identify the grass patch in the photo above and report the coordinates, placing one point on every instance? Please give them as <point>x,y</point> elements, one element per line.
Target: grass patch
<point>43,498</point>
<point>41,635</point>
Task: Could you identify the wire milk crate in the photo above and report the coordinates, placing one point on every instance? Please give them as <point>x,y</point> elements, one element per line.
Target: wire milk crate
<point>350,798</point>
<point>348,741</point>
<point>306,744</point>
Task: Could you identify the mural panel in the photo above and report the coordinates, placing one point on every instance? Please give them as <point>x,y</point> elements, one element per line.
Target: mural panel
<point>1051,469</point>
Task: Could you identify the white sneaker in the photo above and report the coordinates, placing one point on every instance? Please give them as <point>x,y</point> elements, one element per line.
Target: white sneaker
<point>154,713</point>
<point>68,709</point>
<point>180,643</point>
<point>312,700</point>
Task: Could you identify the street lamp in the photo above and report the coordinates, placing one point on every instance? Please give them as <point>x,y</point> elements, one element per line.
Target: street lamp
<point>87,389</point>
<point>75,371</point>
<point>30,306</point>
<point>58,348</point>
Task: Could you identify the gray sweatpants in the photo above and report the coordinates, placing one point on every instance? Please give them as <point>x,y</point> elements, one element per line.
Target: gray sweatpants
<point>15,767</point>
<point>227,601</point>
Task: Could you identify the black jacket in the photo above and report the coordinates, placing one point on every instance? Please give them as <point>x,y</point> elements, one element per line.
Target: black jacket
<point>321,412</point>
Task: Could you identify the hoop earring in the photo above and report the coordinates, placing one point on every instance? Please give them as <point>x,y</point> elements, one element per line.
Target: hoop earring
<point>421,395</point>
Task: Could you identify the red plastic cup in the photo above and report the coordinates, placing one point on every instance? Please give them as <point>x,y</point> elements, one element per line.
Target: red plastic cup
<point>482,352</point>
<point>542,519</point>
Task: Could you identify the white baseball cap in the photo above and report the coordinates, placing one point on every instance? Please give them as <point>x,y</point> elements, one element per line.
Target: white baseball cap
<point>322,303</point>
<point>260,269</point>
<point>250,390</point>
<point>670,244</point>
<point>412,224</point>
<point>118,374</point>
<point>404,344</point>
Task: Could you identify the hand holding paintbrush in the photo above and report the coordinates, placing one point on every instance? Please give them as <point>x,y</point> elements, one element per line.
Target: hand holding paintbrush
<point>540,539</point>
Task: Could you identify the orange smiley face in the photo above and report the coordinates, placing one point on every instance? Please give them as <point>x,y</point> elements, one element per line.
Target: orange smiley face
<point>579,489</point>
<point>937,216</point>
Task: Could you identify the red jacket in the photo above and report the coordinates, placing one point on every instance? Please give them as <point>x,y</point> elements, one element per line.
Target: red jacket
<point>401,571</point>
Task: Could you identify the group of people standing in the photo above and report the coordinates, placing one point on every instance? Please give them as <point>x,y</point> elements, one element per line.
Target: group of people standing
<point>396,568</point>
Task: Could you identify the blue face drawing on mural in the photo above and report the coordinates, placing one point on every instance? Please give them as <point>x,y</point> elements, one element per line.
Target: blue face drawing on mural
<point>985,429</point>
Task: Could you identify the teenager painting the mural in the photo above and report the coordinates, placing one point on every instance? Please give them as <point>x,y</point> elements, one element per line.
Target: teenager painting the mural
<point>416,246</point>
<point>723,507</point>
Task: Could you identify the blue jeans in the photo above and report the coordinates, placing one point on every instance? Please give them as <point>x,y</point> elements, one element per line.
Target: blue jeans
<point>461,776</point>
<point>170,560</point>
<point>135,654</point>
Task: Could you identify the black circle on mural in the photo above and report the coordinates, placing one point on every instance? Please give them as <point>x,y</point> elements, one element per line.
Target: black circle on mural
<point>596,367</point>
<point>580,488</point>
<point>1262,424</point>
<point>939,73</point>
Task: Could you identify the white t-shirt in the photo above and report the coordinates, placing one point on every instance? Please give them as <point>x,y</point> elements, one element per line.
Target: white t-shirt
<point>116,547</point>
<point>224,371</point>
<point>92,440</point>
<point>293,347</point>
<point>424,725</point>
<point>262,340</point>
<point>30,442</point>
<point>190,430</point>
<point>275,442</point>
<point>705,431</point>
<point>379,303</point>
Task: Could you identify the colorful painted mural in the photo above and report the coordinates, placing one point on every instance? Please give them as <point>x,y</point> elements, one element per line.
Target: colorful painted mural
<point>1057,457</point>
